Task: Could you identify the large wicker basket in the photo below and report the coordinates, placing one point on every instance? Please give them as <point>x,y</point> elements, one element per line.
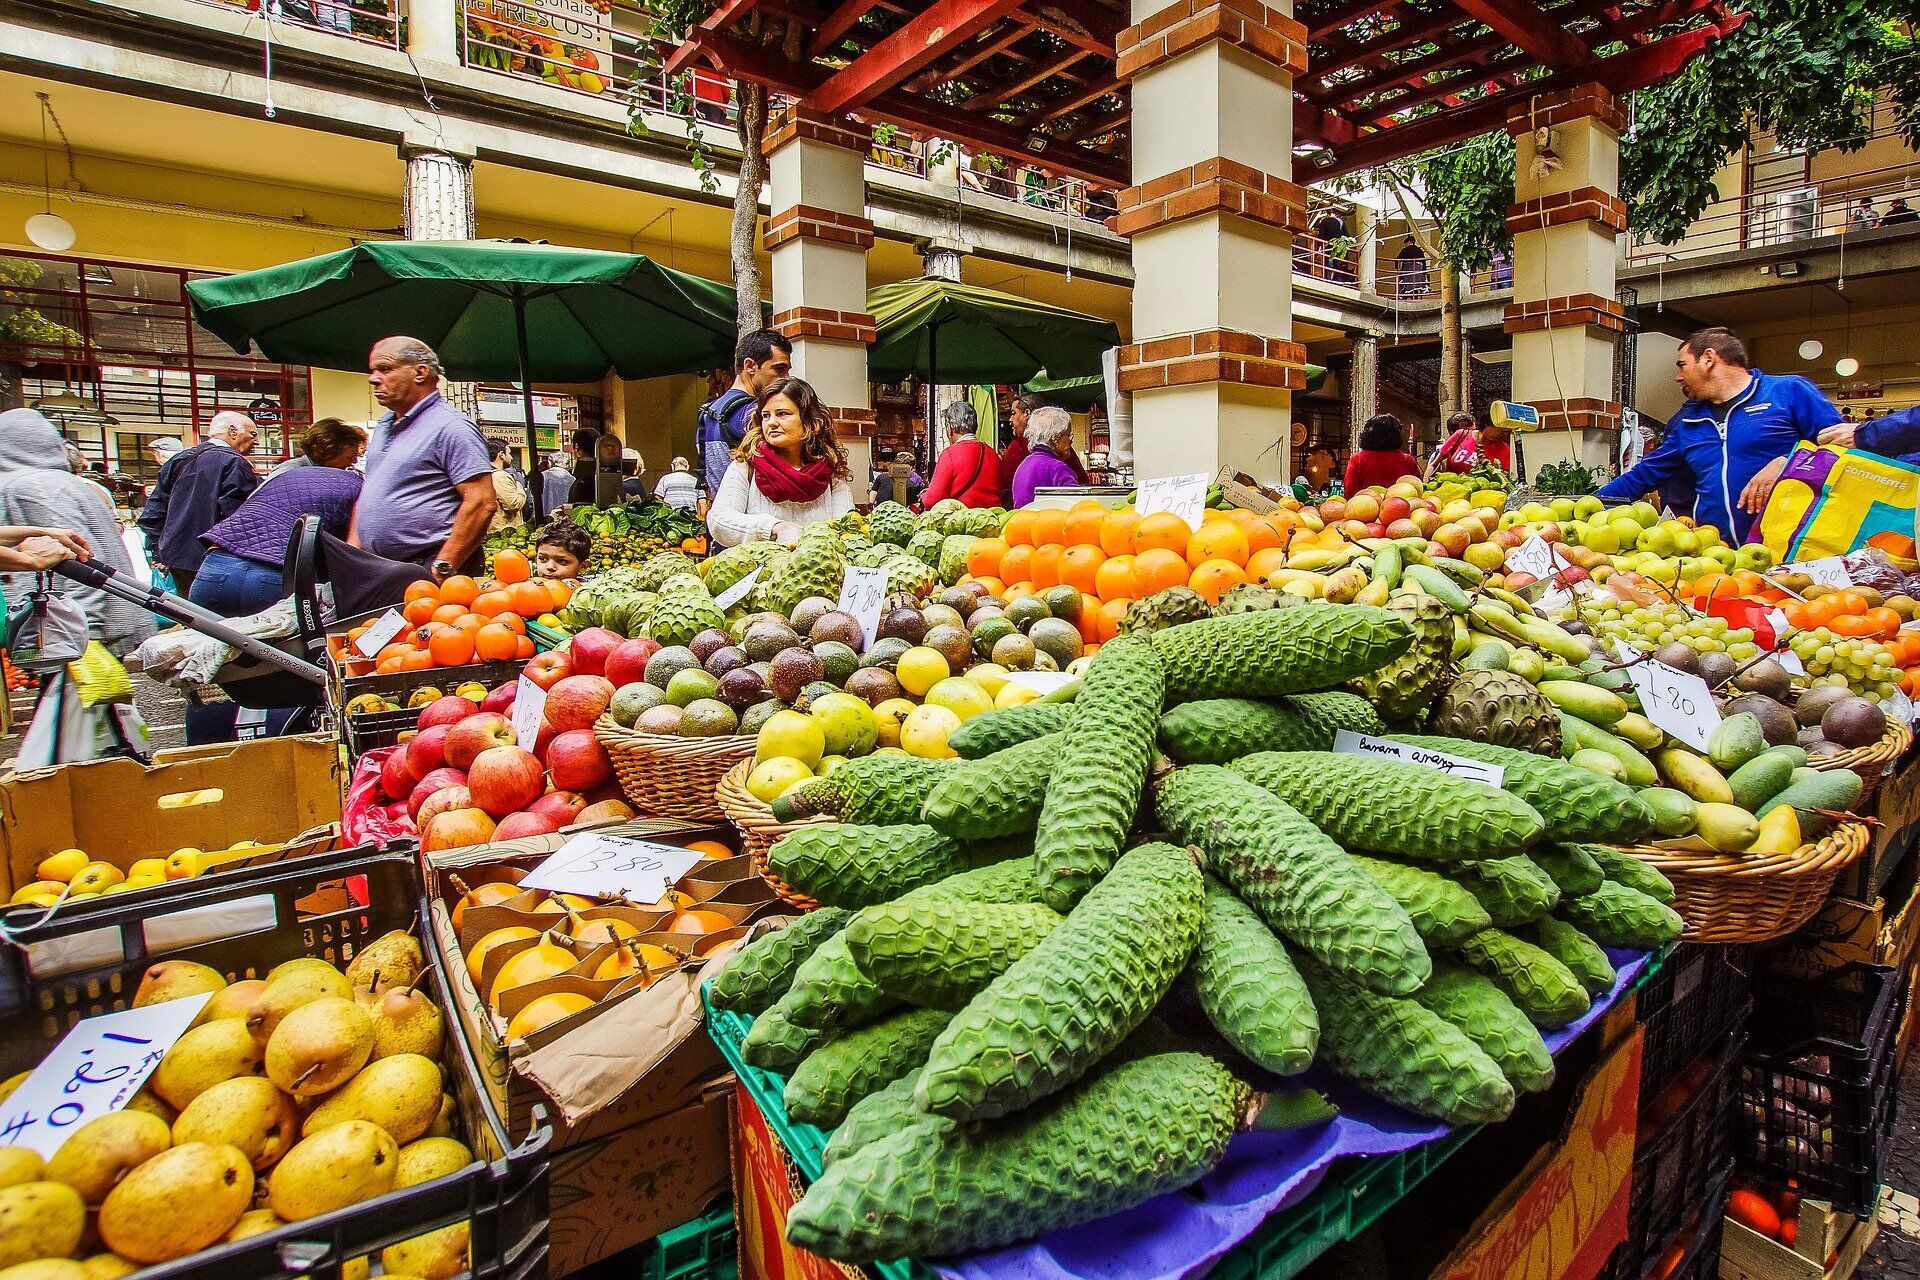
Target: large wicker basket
<point>759,829</point>
<point>1730,898</point>
<point>668,776</point>
<point>1872,761</point>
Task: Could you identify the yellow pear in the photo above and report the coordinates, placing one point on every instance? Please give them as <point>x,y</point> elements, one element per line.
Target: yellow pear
<point>248,1112</point>
<point>184,864</point>
<point>442,1126</point>
<point>392,960</point>
<point>173,979</point>
<point>437,1255</point>
<point>299,964</point>
<point>1779,832</point>
<point>342,1164</point>
<point>401,1094</point>
<point>97,877</point>
<point>62,866</point>
<point>544,959</point>
<point>155,867</point>
<point>255,1222</point>
<point>177,1203</point>
<point>431,1158</point>
<point>106,1149</point>
<point>107,1266</point>
<point>235,1000</point>
<point>405,1021</point>
<point>318,1047</point>
<point>292,989</point>
<point>20,1164</point>
<point>45,1269</point>
<point>202,1058</point>
<point>28,894</point>
<point>145,1101</point>
<point>544,1011</point>
<point>40,1220</point>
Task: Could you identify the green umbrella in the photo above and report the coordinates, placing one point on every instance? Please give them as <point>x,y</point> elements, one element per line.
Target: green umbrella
<point>949,332</point>
<point>490,308</point>
<point>1077,395</point>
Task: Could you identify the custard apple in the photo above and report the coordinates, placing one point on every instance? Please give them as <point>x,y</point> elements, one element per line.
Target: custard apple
<point>1498,707</point>
<point>1402,690</point>
<point>890,522</point>
<point>1164,609</point>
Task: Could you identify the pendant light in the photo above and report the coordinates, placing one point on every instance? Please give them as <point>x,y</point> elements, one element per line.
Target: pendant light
<point>47,229</point>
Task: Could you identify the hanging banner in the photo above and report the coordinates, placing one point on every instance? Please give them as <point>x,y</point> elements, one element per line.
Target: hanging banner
<point>564,42</point>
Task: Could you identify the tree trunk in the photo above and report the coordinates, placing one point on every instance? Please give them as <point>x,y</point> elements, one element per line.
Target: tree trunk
<point>1450,344</point>
<point>752,100</point>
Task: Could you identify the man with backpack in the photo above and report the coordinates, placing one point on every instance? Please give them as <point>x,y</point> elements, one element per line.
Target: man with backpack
<point>761,359</point>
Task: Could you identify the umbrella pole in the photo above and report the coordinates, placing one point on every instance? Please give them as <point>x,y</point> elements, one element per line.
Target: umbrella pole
<point>526,392</point>
<point>933,393</point>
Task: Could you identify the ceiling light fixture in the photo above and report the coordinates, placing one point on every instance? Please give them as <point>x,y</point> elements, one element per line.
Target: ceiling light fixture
<point>48,230</point>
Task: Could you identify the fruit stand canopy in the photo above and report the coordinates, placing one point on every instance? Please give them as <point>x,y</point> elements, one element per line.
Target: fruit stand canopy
<point>1036,78</point>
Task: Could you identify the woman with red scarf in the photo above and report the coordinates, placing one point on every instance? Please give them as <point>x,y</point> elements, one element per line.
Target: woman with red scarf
<point>789,471</point>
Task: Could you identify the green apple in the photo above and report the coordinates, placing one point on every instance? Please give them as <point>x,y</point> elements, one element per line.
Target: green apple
<point>1692,567</point>
<point>1666,570</point>
<point>1604,538</point>
<point>1687,542</point>
<point>1534,513</point>
<point>1646,514</point>
<point>1659,539</point>
<point>1708,535</point>
<point>1754,557</point>
<point>1562,508</point>
<point>1508,519</point>
<point>1588,505</point>
<point>1724,556</point>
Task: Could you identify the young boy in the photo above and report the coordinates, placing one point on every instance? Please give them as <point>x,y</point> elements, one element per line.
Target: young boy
<point>562,551</point>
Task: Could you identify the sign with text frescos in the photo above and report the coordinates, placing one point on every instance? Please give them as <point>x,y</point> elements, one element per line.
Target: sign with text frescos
<point>564,42</point>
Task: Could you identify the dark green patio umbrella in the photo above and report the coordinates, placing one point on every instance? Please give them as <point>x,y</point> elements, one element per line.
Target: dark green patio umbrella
<point>1077,395</point>
<point>948,332</point>
<point>503,309</point>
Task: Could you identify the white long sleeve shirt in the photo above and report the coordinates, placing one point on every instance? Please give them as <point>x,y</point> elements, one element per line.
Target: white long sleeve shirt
<point>741,513</point>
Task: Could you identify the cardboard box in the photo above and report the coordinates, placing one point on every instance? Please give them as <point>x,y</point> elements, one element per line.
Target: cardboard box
<point>766,1186</point>
<point>1828,1247</point>
<point>1884,931</point>
<point>280,792</point>
<point>1897,806</point>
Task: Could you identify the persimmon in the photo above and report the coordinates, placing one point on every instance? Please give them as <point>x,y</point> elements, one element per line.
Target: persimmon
<point>495,643</point>
<point>459,589</point>
<point>512,566</point>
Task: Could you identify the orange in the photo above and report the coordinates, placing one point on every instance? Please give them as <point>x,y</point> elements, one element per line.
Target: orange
<point>512,566</point>
<point>1822,611</point>
<point>1114,580</point>
<point>387,666</point>
<point>1018,531</point>
<point>983,557</point>
<point>1261,534</point>
<point>1263,563</point>
<point>1049,525</point>
<point>1080,567</point>
<point>494,643</point>
<point>1089,619</point>
<point>993,585</point>
<point>1017,591</point>
<point>1214,578</point>
<point>422,589</point>
<point>491,604</point>
<point>1116,532</point>
<point>1853,602</point>
<point>417,613</point>
<point>1164,530</point>
<point>530,599</point>
<point>1886,622</point>
<point>1851,626</point>
<point>1111,612</point>
<point>459,589</point>
<point>1017,564</point>
<point>445,613</point>
<point>1218,540</point>
<point>1158,568</point>
<point>1083,525</point>
<point>453,647</point>
<point>1046,564</point>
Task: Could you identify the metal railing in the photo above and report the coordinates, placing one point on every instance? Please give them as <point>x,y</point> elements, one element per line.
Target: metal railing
<point>1334,262</point>
<point>1814,211</point>
<point>371,21</point>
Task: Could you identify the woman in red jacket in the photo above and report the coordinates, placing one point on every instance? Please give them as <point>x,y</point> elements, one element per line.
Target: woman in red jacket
<point>1382,457</point>
<point>968,470</point>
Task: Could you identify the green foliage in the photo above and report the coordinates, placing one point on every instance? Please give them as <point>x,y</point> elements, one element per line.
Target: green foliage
<point>1569,479</point>
<point>25,326</point>
<point>1468,189</point>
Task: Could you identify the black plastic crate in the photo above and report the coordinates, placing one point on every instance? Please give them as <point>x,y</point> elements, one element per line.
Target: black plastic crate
<point>1817,1084</point>
<point>244,924</point>
<point>1701,994</point>
<point>372,730</point>
<point>1684,1131</point>
<point>1700,1258</point>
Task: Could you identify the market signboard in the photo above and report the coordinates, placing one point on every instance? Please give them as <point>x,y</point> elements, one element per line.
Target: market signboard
<point>564,42</point>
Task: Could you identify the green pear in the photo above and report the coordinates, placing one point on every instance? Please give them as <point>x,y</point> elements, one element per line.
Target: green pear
<point>202,1058</point>
<point>40,1220</point>
<point>392,960</point>
<point>405,1021</point>
<point>295,988</point>
<point>437,1255</point>
<point>318,1047</point>
<point>401,1094</point>
<point>342,1164</point>
<point>431,1158</point>
<point>177,1203</point>
<point>106,1149</point>
<point>175,979</point>
<point>20,1164</point>
<point>248,1112</point>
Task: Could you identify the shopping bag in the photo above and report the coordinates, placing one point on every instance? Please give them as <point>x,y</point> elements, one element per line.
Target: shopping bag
<point>1830,501</point>
<point>47,632</point>
<point>65,730</point>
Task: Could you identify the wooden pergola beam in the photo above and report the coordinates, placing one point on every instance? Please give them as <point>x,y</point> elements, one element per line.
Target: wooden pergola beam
<point>1093,92</point>
<point>1539,34</point>
<point>1345,15</point>
<point>940,28</point>
<point>1084,23</point>
<point>1007,90</point>
<point>836,24</point>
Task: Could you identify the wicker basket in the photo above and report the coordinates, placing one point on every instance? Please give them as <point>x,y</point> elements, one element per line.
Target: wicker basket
<point>668,776</point>
<point>1728,898</point>
<point>759,829</point>
<point>1872,761</point>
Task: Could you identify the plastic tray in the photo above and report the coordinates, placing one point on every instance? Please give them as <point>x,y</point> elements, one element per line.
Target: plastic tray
<point>1688,1008</point>
<point>1698,1256</point>
<point>703,1249</point>
<point>244,924</point>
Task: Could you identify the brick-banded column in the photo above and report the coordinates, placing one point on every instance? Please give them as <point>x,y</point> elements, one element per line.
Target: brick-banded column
<point>1212,214</point>
<point>1565,316</point>
<point>818,236</point>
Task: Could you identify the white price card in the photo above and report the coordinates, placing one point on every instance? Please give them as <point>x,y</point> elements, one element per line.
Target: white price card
<point>734,594</point>
<point>1899,706</point>
<point>1830,570</point>
<point>94,1069</point>
<point>1789,661</point>
<point>600,865</point>
<point>1041,682</point>
<point>1350,743</point>
<point>1679,702</point>
<point>529,712</point>
<point>1184,496</point>
<point>862,592</point>
<point>1534,556</point>
<point>380,634</point>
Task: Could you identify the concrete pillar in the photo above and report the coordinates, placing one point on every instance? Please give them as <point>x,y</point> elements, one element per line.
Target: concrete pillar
<point>818,236</point>
<point>1363,383</point>
<point>433,31</point>
<point>1366,229</point>
<point>1212,214</point>
<point>1565,317</point>
<point>437,204</point>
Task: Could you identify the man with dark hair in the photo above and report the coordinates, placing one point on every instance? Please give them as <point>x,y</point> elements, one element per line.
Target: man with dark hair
<point>1016,449</point>
<point>761,359</point>
<point>1732,436</point>
<point>585,448</point>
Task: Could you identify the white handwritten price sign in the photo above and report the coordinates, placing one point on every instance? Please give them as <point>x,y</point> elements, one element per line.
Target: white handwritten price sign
<point>1830,570</point>
<point>862,592</point>
<point>734,594</point>
<point>1535,556</point>
<point>529,710</point>
<point>1361,744</point>
<point>380,634</point>
<point>599,865</point>
<point>99,1064</point>
<point>1183,496</point>
<point>1041,682</point>
<point>1679,702</point>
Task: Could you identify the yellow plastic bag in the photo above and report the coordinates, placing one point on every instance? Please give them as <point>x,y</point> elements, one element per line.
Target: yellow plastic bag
<point>100,677</point>
<point>1830,501</point>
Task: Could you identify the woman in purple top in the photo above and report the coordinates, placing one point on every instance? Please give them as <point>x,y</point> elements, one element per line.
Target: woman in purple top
<point>1048,429</point>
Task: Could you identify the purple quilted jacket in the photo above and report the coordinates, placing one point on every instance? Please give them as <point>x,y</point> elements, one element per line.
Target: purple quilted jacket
<point>263,525</point>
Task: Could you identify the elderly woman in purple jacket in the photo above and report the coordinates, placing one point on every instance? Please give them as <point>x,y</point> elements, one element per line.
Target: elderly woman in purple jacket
<point>1048,429</point>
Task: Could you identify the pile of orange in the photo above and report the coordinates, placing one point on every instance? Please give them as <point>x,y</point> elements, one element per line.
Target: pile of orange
<point>1116,557</point>
<point>465,620</point>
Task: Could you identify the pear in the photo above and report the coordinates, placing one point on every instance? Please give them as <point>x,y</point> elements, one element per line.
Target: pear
<point>255,1222</point>
<point>437,1255</point>
<point>11,1083</point>
<point>40,1220</point>
<point>173,979</point>
<point>319,1046</point>
<point>107,1266</point>
<point>431,1158</point>
<point>293,989</point>
<point>20,1164</point>
<point>177,1203</point>
<point>405,1021</point>
<point>145,1101</point>
<point>342,1164</point>
<point>544,959</point>
<point>235,1000</point>
<point>393,960</point>
<point>62,866</point>
<point>248,1112</point>
<point>46,1269</point>
<point>401,1094</point>
<point>442,1126</point>
<point>204,1057</point>
<point>106,1149</point>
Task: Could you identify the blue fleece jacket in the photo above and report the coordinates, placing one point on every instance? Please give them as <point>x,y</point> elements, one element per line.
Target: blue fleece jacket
<point>1719,448</point>
<point>1895,436</point>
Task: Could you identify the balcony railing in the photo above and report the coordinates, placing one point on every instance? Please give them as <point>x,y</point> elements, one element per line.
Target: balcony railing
<point>372,21</point>
<point>1811,212</point>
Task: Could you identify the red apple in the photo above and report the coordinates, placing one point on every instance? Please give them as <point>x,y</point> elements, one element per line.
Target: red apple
<point>1375,529</point>
<point>501,699</point>
<point>1333,510</point>
<point>456,828</point>
<point>1520,581</point>
<point>504,779</point>
<point>450,709</point>
<point>428,750</point>
<point>544,739</point>
<point>606,811</point>
<point>578,761</point>
<point>395,778</point>
<point>590,649</point>
<point>516,825</point>
<point>466,740</point>
<point>628,663</point>
<point>577,701</point>
<point>439,802</point>
<point>549,668</point>
<point>432,782</point>
<point>559,807</point>
<point>1392,509</point>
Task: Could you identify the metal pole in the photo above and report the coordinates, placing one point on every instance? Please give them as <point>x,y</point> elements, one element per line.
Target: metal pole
<point>534,479</point>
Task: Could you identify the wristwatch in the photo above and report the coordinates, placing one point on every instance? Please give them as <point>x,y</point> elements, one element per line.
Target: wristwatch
<point>441,570</point>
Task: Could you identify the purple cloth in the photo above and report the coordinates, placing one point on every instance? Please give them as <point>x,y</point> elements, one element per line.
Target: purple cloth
<point>196,489</point>
<point>1038,468</point>
<point>414,466</point>
<point>263,525</point>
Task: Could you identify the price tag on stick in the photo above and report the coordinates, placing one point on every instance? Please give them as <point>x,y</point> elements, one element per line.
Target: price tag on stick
<point>862,592</point>
<point>1183,496</point>
<point>380,634</point>
<point>1679,702</point>
<point>600,865</point>
<point>734,594</point>
<point>529,711</point>
<point>1830,570</point>
<point>94,1070</point>
<point>1535,557</point>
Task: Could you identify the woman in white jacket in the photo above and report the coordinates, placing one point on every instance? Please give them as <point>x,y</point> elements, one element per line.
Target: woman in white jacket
<point>789,471</point>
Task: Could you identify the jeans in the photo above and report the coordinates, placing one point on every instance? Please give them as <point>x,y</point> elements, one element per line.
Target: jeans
<point>233,587</point>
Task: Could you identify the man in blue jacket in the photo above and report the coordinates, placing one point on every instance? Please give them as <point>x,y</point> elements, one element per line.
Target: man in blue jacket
<point>1892,435</point>
<point>761,359</point>
<point>1732,436</point>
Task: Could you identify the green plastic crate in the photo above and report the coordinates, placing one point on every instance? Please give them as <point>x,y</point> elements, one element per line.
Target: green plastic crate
<point>545,638</point>
<point>703,1249</point>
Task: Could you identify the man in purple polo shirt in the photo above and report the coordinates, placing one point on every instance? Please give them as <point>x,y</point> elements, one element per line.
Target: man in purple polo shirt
<point>429,491</point>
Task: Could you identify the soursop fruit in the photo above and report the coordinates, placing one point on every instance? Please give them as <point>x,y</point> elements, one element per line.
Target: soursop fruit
<point>1497,707</point>
<point>1405,688</point>
<point>890,522</point>
<point>679,616</point>
<point>814,567</point>
<point>925,545</point>
<point>908,576</point>
<point>1250,598</point>
<point>1164,609</point>
<point>663,565</point>
<point>953,556</point>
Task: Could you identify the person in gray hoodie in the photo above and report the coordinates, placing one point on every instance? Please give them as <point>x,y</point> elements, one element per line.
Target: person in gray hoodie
<point>37,489</point>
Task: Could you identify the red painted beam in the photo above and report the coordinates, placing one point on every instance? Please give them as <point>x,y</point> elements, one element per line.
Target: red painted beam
<point>941,28</point>
<point>993,95</point>
<point>1088,24</point>
<point>754,63</point>
<point>1093,92</point>
<point>836,24</point>
<point>1539,34</point>
<point>1408,33</point>
<point>1346,14</point>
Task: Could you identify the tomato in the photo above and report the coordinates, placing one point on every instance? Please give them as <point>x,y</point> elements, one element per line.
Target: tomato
<point>1754,1211</point>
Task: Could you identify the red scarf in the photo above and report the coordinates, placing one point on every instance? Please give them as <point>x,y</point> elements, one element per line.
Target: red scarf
<point>781,481</point>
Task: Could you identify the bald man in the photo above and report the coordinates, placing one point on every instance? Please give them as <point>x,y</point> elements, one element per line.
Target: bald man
<point>198,488</point>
